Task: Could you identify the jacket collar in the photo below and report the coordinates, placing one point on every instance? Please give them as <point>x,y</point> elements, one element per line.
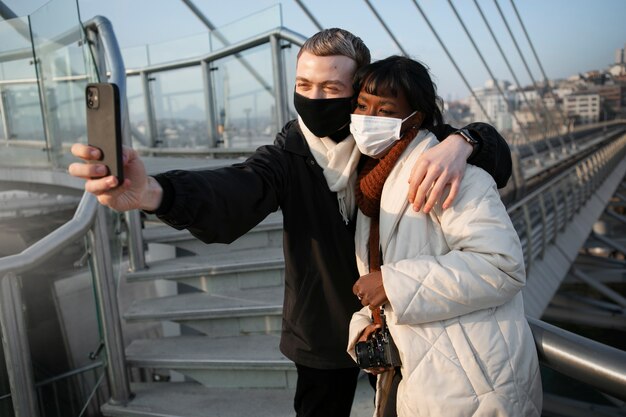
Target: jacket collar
<point>394,202</point>
<point>295,142</point>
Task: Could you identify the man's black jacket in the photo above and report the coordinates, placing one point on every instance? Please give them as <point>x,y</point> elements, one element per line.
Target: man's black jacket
<point>221,205</point>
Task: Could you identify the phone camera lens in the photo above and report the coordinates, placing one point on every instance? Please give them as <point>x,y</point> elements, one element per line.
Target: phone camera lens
<point>90,103</point>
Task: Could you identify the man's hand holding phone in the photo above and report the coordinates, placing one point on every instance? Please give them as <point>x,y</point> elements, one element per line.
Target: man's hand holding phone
<point>114,174</point>
<point>138,190</point>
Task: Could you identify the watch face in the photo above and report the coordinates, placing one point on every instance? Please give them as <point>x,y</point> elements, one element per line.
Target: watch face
<point>468,137</point>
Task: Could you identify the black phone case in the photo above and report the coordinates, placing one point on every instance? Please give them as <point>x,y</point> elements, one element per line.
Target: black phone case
<point>104,126</point>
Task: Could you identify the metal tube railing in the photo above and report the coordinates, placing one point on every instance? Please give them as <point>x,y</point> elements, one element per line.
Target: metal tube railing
<point>596,364</point>
<point>252,42</point>
<point>16,348</point>
<point>109,311</point>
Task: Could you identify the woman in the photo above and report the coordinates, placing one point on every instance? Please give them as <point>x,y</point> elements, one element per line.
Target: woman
<point>449,280</point>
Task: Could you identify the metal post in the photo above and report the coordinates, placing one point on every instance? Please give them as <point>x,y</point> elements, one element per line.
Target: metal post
<point>5,117</point>
<point>137,256</point>
<point>147,102</point>
<point>16,348</point>
<point>279,82</point>
<point>106,294</point>
<point>97,52</point>
<point>529,235</point>
<point>209,103</point>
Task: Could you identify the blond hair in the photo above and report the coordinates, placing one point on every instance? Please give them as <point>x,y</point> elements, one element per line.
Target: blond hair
<point>337,41</point>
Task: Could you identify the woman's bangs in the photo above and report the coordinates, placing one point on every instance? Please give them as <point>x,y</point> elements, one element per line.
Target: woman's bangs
<point>381,83</point>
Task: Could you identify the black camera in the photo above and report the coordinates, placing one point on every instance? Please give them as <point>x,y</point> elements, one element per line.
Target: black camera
<point>378,351</point>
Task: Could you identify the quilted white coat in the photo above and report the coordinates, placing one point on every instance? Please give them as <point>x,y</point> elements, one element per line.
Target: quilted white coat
<point>453,278</point>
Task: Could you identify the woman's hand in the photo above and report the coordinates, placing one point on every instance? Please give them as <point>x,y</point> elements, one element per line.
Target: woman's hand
<point>439,166</point>
<point>364,336</point>
<point>370,291</point>
<point>138,191</point>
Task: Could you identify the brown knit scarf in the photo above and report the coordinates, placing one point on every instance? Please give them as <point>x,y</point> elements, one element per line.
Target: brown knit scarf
<point>369,188</point>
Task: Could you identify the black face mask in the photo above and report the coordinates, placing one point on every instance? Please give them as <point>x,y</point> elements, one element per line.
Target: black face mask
<point>323,116</point>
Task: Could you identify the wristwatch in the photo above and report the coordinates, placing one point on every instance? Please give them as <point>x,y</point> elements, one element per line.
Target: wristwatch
<point>465,134</point>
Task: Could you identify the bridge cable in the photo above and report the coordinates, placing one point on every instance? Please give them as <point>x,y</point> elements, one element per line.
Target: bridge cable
<point>242,60</point>
<point>309,15</point>
<point>532,47</point>
<point>509,66</point>
<point>519,51</point>
<point>508,104</point>
<point>432,29</point>
<point>382,22</point>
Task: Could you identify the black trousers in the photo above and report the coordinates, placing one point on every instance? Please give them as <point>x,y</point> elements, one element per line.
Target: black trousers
<point>325,392</point>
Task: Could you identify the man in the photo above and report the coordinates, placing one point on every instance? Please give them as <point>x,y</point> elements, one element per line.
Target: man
<point>309,173</point>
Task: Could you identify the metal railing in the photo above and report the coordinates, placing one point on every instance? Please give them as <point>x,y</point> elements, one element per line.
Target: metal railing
<point>88,221</point>
<point>542,214</point>
<point>279,91</point>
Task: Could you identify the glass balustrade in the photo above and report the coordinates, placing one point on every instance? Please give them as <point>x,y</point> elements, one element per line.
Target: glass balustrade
<point>63,69</point>
<point>20,111</point>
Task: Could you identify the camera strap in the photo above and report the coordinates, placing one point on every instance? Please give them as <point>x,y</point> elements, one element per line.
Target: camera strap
<point>377,316</point>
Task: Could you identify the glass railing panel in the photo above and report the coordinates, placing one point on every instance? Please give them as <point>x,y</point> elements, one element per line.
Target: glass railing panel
<point>290,56</point>
<point>21,123</point>
<point>136,56</point>
<point>245,105</point>
<point>178,49</point>
<point>6,404</point>
<point>247,27</point>
<point>60,313</point>
<point>63,72</point>
<point>179,109</point>
<point>137,110</point>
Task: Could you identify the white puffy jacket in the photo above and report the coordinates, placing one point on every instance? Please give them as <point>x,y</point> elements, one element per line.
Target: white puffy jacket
<point>453,279</point>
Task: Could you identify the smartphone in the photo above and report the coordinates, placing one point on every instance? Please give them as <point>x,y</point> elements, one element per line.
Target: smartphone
<point>104,126</point>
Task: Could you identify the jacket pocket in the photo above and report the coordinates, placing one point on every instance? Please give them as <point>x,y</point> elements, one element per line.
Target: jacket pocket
<point>468,358</point>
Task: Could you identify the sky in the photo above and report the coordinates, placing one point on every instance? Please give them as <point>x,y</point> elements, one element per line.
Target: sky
<point>570,36</point>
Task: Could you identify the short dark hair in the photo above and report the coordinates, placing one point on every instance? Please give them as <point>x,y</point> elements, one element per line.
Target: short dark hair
<point>398,73</point>
<point>337,41</point>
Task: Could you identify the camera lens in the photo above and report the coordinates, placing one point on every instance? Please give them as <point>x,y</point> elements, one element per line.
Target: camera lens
<point>90,103</point>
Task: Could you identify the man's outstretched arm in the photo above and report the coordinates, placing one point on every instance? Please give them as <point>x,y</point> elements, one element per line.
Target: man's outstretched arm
<point>444,165</point>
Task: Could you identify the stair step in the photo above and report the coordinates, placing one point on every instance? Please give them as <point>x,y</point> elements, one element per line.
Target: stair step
<point>266,234</point>
<point>219,272</point>
<point>188,399</point>
<point>228,313</point>
<point>252,361</point>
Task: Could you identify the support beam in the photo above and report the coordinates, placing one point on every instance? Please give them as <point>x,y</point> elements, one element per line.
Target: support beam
<point>616,216</point>
<point>598,286</point>
<point>609,242</point>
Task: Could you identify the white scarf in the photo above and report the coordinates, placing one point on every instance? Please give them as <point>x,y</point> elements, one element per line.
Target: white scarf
<point>338,161</point>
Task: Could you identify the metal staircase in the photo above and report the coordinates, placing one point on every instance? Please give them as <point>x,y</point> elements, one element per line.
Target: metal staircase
<point>232,305</point>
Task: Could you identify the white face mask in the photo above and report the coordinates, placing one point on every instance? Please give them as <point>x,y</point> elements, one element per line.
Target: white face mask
<point>374,135</point>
